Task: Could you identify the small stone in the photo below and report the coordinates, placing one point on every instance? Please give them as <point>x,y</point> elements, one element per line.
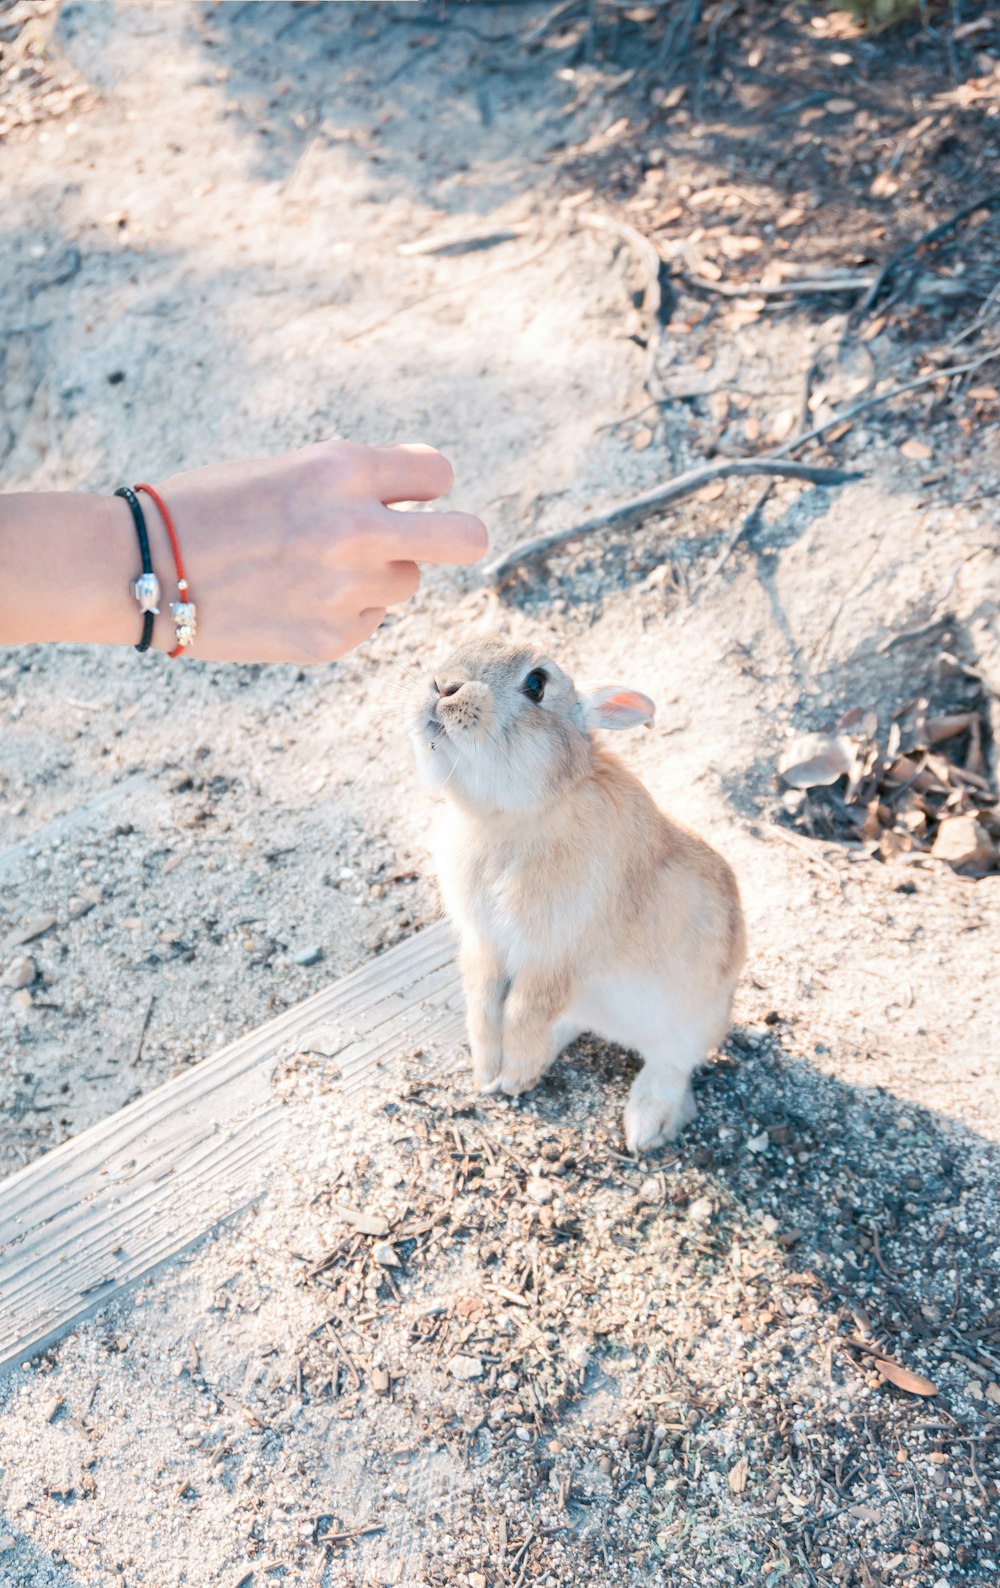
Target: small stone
<point>541,1190</point>
<point>465,1367</point>
<point>371,1224</point>
<point>21,972</point>
<point>7,1542</point>
<point>522,1433</point>
<point>737,1477</point>
<point>34,927</point>
<point>476,1579</point>
<point>309,956</point>
<point>384,1255</point>
<point>22,1000</point>
<point>78,908</point>
<point>700,1211</point>
<point>993,1393</point>
<point>380,1381</point>
<point>509,1381</point>
<point>758,1143</point>
<point>649,1191</point>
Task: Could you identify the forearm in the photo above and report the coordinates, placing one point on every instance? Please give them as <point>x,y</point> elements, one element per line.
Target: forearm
<point>291,559</point>
<point>66,565</point>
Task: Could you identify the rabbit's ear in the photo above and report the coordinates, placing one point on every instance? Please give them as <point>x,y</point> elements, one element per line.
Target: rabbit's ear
<point>615,706</point>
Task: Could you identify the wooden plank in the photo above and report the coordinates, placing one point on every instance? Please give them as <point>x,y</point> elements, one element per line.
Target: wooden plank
<point>90,1218</point>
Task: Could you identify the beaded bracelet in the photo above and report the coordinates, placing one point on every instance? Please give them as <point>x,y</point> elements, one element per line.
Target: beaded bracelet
<point>184,611</point>
<point>146,588</point>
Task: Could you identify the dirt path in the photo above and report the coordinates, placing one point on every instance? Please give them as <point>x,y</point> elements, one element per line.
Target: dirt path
<point>218,257</point>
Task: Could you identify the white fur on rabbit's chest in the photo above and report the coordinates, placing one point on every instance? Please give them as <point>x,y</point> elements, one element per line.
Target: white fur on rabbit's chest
<point>501,902</point>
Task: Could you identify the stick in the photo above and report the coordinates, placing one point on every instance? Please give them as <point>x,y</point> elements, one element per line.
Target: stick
<point>649,258</point>
<point>137,1052</point>
<point>652,501</point>
<point>883,397</point>
<point>989,201</point>
<point>846,283</point>
<point>744,527</point>
<point>445,291</point>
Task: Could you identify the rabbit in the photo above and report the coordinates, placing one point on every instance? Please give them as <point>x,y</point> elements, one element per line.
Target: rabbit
<point>580,905</point>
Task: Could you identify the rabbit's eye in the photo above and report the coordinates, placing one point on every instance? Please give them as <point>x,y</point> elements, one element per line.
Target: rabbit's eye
<point>534,685</point>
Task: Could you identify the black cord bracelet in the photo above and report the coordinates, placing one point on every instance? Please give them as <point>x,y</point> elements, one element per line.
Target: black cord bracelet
<point>146,588</point>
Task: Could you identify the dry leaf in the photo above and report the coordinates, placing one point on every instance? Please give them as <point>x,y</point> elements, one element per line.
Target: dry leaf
<point>884,186</point>
<point>718,407</point>
<point>918,450</point>
<point>739,247</point>
<point>673,98</point>
<point>815,760</point>
<point>790,217</point>
<point>963,841</point>
<point>738,1476</point>
<point>641,438</point>
<point>710,270</point>
<point>892,844</point>
<point>992,1393</point>
<point>903,1379</point>
<point>471,1307</point>
<point>840,107</point>
<point>712,491</point>
<point>783,424</point>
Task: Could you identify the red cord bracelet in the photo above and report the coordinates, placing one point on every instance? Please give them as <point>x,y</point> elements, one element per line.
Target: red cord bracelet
<point>184,611</point>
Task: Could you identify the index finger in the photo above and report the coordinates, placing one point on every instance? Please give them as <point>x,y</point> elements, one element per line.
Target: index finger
<point>432,537</point>
<point>411,472</point>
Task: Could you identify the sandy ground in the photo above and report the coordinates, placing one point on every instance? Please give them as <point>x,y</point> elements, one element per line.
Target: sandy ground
<point>208,263</point>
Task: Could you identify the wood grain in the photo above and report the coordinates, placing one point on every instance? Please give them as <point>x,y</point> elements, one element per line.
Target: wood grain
<point>89,1219</point>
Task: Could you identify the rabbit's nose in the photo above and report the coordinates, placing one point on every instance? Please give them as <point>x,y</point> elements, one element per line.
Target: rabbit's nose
<point>448,689</point>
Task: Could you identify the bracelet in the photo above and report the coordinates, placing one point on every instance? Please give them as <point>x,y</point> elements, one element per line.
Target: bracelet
<point>146,588</point>
<point>184,611</point>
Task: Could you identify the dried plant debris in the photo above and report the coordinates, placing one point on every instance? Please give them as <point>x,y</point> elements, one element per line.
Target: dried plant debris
<point>918,791</point>
<point>36,84</point>
<point>651,1368</point>
<point>468,1342</point>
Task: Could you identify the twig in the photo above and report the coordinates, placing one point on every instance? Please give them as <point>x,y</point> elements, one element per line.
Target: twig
<point>744,527</point>
<point>883,397</point>
<point>989,201</point>
<point>137,1051</point>
<point>845,283</point>
<point>653,501</point>
<point>560,13</point>
<point>877,1250</point>
<point>722,14</point>
<point>451,289</point>
<point>351,1534</point>
<point>677,34</point>
<point>649,258</point>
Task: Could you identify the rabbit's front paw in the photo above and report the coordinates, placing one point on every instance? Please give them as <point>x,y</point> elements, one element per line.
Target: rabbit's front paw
<point>514,1082</point>
<point>486,1066</point>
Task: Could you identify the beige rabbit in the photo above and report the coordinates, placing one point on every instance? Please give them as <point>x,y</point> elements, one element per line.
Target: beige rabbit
<point>581,907</point>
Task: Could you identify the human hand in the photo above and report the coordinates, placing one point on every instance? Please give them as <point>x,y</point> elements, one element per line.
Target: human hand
<point>296,558</point>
